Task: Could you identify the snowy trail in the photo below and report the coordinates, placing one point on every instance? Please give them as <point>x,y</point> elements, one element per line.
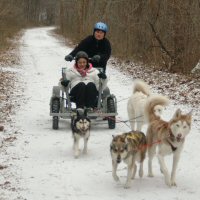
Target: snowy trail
<point>46,166</point>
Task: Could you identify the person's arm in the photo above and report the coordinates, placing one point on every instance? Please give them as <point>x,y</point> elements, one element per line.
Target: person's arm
<point>82,46</point>
<point>107,52</point>
<point>98,78</point>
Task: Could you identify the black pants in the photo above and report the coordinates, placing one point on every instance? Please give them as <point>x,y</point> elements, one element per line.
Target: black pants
<point>84,95</point>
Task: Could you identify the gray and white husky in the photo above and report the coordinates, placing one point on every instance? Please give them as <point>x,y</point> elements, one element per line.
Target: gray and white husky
<point>80,126</point>
<point>128,147</point>
<point>169,137</point>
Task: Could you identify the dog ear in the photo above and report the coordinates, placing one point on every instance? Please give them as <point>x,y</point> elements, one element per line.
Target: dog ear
<point>79,112</point>
<point>114,138</point>
<point>190,113</point>
<point>126,146</point>
<point>111,147</point>
<point>85,112</point>
<point>189,116</point>
<point>177,113</point>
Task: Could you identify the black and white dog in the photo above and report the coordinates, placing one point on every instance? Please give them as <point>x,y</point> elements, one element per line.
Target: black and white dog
<point>80,126</point>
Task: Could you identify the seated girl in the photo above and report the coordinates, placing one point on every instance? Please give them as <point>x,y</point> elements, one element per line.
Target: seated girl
<point>84,81</point>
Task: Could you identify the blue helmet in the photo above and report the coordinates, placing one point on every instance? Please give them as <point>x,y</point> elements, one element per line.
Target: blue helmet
<point>101,26</point>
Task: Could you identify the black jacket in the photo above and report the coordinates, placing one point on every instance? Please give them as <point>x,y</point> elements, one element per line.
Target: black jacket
<point>95,47</point>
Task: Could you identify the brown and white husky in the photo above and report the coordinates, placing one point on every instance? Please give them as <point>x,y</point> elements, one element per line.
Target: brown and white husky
<point>169,137</point>
<point>128,147</point>
<point>80,126</point>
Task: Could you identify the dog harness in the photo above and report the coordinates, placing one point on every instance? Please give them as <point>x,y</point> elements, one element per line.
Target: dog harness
<point>172,147</point>
<point>172,138</point>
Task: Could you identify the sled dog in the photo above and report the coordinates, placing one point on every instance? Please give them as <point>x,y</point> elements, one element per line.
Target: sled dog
<point>128,147</point>
<point>136,104</point>
<point>169,137</point>
<point>80,126</point>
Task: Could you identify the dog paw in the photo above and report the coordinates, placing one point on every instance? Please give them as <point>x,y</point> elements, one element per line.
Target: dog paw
<point>141,173</point>
<point>116,178</point>
<point>168,182</point>
<point>84,151</point>
<point>133,177</point>
<point>76,154</point>
<point>173,183</point>
<point>127,185</point>
<point>150,175</point>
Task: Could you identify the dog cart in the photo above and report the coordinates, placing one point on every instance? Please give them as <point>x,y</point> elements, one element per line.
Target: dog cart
<point>61,105</point>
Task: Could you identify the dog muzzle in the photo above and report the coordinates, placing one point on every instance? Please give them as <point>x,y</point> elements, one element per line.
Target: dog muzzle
<point>118,159</point>
<point>179,138</point>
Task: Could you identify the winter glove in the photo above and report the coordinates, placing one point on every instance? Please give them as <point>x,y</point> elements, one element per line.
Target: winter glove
<point>96,58</point>
<point>69,58</point>
<point>65,83</point>
<point>102,75</point>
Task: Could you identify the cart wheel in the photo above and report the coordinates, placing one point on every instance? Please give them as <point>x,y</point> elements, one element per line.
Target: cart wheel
<point>106,92</point>
<point>55,109</point>
<point>55,122</point>
<point>111,109</point>
<point>56,91</point>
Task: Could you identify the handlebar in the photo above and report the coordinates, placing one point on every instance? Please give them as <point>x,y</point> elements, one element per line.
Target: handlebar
<point>100,69</point>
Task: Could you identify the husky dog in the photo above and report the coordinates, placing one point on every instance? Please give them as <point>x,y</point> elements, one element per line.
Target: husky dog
<point>80,126</point>
<point>169,137</point>
<point>128,147</point>
<point>136,104</point>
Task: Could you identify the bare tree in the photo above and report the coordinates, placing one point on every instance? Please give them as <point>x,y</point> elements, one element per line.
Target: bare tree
<point>159,33</point>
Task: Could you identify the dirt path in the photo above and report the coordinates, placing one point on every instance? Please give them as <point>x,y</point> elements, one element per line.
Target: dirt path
<point>40,163</point>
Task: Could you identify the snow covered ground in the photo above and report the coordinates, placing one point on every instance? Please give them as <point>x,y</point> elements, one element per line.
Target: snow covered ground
<point>40,163</point>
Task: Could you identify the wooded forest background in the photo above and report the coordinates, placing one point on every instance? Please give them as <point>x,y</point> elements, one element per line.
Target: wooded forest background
<point>161,33</point>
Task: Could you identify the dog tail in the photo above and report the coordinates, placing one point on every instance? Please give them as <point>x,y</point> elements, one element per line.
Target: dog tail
<point>141,86</point>
<point>153,101</point>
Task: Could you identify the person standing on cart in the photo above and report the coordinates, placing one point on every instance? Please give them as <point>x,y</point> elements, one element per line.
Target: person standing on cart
<point>97,46</point>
